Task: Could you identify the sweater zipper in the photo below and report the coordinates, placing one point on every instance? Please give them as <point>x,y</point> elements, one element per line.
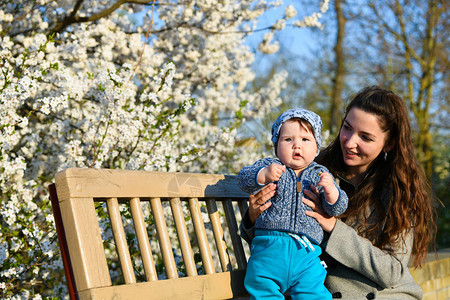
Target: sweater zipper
<point>296,193</point>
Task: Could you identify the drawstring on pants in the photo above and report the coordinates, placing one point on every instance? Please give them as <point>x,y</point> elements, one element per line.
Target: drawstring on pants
<point>303,240</point>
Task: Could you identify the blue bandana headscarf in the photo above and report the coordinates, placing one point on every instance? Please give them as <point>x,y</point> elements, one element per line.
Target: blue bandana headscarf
<point>304,114</point>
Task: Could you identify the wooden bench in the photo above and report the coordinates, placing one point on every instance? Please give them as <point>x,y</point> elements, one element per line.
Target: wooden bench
<point>204,212</point>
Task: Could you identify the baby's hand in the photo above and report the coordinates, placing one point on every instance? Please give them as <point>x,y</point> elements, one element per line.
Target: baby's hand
<point>326,180</point>
<point>271,173</point>
<point>329,189</point>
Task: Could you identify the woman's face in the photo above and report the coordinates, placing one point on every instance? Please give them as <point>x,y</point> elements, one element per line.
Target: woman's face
<point>361,139</point>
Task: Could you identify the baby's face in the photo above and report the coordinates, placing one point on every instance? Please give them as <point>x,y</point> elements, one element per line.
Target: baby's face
<point>296,147</point>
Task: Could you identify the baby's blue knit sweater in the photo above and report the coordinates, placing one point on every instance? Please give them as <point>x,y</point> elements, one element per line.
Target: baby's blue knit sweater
<point>287,212</point>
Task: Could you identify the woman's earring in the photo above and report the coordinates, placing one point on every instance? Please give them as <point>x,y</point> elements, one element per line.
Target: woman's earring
<point>385,155</point>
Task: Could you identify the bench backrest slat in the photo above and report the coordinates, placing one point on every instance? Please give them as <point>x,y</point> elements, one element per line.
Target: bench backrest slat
<point>218,234</point>
<point>235,239</point>
<point>116,209</point>
<point>183,237</point>
<point>164,239</point>
<point>142,237</point>
<point>120,240</point>
<point>200,233</point>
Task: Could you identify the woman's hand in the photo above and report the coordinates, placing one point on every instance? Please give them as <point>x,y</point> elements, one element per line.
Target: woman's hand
<point>258,202</point>
<point>325,221</point>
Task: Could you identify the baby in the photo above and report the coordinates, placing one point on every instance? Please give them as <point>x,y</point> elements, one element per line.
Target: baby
<point>285,251</point>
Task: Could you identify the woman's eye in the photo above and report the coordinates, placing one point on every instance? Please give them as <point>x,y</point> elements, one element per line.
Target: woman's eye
<point>366,138</point>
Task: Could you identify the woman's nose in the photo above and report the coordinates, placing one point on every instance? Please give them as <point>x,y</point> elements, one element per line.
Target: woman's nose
<point>350,140</point>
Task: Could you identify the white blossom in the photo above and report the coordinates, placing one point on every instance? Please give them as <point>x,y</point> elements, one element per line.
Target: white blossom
<point>280,24</point>
<point>309,21</point>
<point>290,11</point>
<point>267,46</point>
<point>324,6</point>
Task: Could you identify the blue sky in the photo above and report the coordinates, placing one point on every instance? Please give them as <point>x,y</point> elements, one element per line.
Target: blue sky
<point>299,41</point>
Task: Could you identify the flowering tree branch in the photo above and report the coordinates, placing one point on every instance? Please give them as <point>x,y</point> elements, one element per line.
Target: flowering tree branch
<point>72,18</point>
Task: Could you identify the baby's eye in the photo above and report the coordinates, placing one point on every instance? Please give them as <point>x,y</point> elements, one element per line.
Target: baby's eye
<point>288,139</point>
<point>305,139</point>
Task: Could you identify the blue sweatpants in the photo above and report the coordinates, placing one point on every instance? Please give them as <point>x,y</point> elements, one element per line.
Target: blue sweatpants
<point>280,262</point>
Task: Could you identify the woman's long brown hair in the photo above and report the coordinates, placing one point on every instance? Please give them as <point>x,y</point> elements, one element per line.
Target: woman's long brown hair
<point>410,201</point>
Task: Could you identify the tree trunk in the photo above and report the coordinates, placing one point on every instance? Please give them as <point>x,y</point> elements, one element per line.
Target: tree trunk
<point>339,72</point>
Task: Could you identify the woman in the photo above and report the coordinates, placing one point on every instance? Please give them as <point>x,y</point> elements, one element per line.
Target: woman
<point>389,216</point>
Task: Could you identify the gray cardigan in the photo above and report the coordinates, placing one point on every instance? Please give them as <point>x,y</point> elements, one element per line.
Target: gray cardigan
<point>287,212</point>
<point>385,276</point>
